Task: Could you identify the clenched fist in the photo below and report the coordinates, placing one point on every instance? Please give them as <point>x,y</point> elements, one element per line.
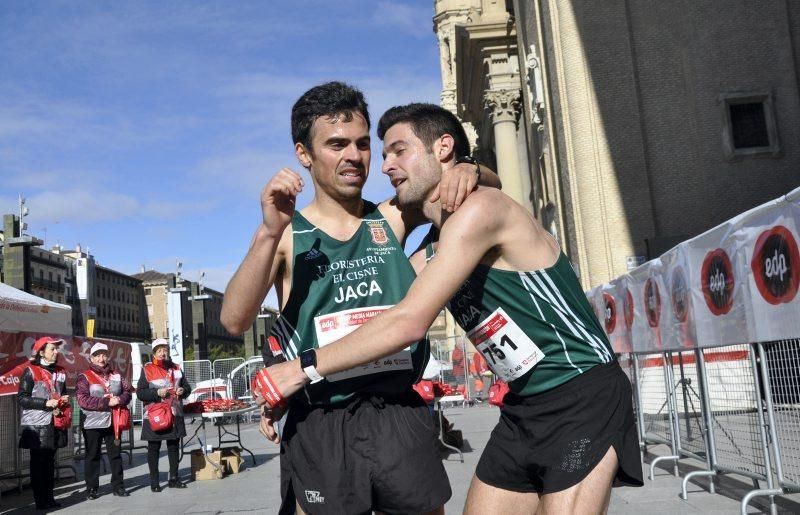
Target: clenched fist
<point>278,199</point>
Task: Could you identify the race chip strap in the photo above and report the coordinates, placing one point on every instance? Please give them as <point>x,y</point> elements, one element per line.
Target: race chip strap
<point>265,386</point>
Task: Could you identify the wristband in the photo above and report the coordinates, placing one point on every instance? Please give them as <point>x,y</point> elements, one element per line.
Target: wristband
<point>265,386</point>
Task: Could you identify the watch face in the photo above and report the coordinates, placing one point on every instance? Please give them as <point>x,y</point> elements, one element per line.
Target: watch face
<point>308,359</point>
<point>466,159</point>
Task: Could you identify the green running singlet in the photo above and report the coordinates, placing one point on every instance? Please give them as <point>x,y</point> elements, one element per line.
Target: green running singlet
<point>535,329</point>
<point>336,287</point>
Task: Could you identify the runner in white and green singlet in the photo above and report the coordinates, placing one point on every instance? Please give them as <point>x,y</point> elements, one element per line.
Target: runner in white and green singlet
<point>504,312</point>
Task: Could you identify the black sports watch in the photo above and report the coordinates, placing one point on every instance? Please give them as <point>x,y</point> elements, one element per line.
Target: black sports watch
<point>471,160</point>
<point>308,362</point>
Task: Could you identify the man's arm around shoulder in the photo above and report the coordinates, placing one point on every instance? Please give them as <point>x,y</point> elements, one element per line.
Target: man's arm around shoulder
<point>456,185</point>
<point>466,236</point>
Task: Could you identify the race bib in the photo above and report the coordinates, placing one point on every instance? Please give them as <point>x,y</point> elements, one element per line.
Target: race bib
<point>334,326</point>
<point>507,349</point>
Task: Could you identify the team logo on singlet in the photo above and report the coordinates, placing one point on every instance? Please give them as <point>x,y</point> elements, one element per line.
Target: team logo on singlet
<point>378,233</point>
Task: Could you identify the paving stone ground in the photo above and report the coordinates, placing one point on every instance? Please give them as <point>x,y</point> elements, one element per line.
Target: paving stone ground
<point>255,489</point>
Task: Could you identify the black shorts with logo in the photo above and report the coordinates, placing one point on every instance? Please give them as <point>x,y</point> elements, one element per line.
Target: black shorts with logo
<point>549,442</point>
<point>371,453</point>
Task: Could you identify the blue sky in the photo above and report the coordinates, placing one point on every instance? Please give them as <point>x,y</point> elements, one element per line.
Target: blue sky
<point>145,130</point>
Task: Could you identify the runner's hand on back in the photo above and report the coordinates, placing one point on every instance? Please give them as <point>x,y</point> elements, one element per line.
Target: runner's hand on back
<point>278,200</point>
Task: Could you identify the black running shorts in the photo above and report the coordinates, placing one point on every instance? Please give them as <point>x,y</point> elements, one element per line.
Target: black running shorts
<point>372,453</point>
<point>551,441</point>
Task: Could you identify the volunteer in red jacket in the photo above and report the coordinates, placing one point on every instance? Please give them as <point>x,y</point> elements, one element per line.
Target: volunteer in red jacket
<point>41,396</point>
<point>99,390</point>
<point>163,381</point>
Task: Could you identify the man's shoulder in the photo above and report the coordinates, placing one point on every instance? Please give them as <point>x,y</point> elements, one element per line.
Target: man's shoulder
<point>487,204</point>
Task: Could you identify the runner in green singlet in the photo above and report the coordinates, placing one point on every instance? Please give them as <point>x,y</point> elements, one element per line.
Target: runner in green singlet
<point>335,264</point>
<point>567,432</point>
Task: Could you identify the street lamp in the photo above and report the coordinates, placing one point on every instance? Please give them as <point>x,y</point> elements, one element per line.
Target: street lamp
<point>23,212</point>
<point>199,323</point>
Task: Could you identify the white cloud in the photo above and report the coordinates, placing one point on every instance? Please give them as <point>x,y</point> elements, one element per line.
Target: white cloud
<point>90,206</point>
<point>243,171</point>
<point>34,124</point>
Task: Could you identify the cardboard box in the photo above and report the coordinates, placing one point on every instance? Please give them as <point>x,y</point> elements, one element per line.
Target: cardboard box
<point>232,458</point>
<point>208,466</point>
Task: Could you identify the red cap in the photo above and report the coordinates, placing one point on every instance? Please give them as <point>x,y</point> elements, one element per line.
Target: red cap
<point>44,340</point>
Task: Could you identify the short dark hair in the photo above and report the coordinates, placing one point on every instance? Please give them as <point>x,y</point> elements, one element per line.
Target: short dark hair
<point>429,122</point>
<point>329,99</point>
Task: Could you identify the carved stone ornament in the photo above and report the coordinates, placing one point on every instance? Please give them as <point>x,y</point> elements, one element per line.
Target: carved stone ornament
<point>504,103</point>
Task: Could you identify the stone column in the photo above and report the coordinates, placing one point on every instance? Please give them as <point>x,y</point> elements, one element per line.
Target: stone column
<point>504,105</point>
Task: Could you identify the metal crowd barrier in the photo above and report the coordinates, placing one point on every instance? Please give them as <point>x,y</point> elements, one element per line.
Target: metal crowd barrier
<point>655,408</point>
<point>455,354</point>
<point>197,371</point>
<point>222,370</point>
<point>736,408</point>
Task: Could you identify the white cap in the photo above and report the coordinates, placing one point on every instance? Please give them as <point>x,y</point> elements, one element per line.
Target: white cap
<point>97,347</point>
<point>158,342</point>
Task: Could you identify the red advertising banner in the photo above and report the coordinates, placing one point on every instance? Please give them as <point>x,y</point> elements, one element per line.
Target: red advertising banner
<point>15,351</point>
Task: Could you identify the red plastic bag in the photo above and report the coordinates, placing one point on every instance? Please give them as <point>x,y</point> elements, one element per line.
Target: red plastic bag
<point>121,420</point>
<point>425,390</point>
<point>159,415</point>
<point>497,392</point>
<point>63,420</point>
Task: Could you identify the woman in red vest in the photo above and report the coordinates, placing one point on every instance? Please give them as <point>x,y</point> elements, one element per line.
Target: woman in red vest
<point>163,381</point>
<point>41,396</point>
<point>98,390</point>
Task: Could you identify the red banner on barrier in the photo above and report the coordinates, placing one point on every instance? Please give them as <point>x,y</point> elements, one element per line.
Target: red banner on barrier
<point>15,351</point>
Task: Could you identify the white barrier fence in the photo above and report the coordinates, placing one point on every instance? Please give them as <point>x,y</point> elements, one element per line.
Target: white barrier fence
<point>709,335</point>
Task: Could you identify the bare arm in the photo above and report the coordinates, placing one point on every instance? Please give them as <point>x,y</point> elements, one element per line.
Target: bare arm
<point>457,183</point>
<point>249,285</point>
<point>264,260</point>
<point>465,238</point>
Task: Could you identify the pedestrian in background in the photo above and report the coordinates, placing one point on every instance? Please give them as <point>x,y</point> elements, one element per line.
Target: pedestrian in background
<point>162,381</point>
<point>99,390</point>
<point>41,398</point>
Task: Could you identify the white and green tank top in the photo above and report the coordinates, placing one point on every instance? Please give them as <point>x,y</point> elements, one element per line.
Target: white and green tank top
<point>336,287</point>
<point>535,329</point>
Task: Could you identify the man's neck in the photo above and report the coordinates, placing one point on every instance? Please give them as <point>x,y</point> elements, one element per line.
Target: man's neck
<point>433,210</point>
<point>328,207</point>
